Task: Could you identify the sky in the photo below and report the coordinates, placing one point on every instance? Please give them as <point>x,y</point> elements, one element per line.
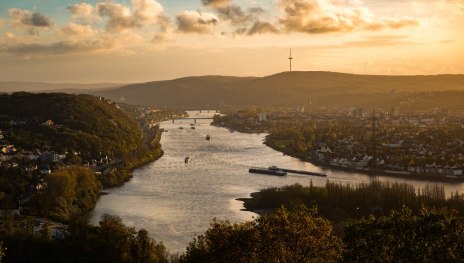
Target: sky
<point>127,41</point>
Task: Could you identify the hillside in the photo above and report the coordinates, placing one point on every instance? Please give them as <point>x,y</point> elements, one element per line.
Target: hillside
<point>295,88</point>
<point>12,86</point>
<point>80,123</point>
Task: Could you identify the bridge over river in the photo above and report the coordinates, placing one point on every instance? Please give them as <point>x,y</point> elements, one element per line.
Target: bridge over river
<point>200,115</point>
<point>194,119</point>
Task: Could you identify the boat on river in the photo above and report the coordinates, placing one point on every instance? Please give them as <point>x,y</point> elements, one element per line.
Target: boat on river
<point>297,171</point>
<point>261,170</point>
<point>187,159</point>
<point>208,137</point>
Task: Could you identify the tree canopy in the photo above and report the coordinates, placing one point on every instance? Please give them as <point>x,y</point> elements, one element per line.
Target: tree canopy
<point>295,235</point>
<point>82,123</point>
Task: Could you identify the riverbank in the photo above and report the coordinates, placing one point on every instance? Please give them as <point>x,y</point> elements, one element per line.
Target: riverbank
<point>150,152</point>
<point>340,202</point>
<point>393,174</point>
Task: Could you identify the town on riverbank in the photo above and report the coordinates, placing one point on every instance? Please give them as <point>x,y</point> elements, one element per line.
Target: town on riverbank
<point>56,156</point>
<point>421,145</point>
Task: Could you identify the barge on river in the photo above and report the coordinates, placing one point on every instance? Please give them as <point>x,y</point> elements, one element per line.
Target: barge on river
<point>261,170</point>
<point>274,170</point>
<point>298,171</point>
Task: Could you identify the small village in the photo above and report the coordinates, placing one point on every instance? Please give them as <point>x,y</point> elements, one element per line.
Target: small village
<point>24,170</point>
<point>33,165</point>
<point>413,143</point>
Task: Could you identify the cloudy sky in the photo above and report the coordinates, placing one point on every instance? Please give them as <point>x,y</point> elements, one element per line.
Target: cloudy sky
<point>143,40</point>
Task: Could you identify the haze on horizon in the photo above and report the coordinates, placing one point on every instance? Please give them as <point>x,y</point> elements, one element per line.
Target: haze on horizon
<point>123,41</point>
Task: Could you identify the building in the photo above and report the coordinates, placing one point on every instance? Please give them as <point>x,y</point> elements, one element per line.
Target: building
<point>357,113</point>
<point>262,116</point>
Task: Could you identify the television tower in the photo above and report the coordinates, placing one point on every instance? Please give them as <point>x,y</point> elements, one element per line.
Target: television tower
<point>290,59</point>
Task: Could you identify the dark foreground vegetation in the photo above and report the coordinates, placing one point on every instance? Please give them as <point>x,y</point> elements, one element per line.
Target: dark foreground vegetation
<point>341,203</point>
<point>374,222</point>
<point>300,235</point>
<point>111,241</point>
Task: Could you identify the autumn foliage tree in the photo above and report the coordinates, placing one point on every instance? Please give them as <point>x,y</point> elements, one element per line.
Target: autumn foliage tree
<point>296,235</point>
<point>72,190</point>
<point>432,235</point>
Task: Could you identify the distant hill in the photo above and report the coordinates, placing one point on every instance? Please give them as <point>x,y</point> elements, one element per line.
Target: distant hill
<point>11,86</point>
<point>289,89</point>
<point>80,123</point>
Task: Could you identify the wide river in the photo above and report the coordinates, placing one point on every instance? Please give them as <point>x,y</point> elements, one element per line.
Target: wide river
<point>175,200</point>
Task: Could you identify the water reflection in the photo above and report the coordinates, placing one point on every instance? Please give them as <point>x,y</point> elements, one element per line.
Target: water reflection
<point>175,200</point>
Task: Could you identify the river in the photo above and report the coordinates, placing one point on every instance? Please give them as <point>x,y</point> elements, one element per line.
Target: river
<point>175,200</point>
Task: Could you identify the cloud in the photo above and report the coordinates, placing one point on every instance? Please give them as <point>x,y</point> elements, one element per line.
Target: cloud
<point>377,41</point>
<point>216,3</point>
<point>76,32</point>
<point>90,42</point>
<point>195,22</point>
<point>123,33</point>
<point>166,31</point>
<point>58,48</point>
<point>262,28</point>
<point>146,12</point>
<point>84,12</point>
<point>234,14</point>
<point>120,17</point>
<point>10,36</point>
<point>21,18</point>
<point>324,16</point>
<point>245,21</point>
<point>449,7</point>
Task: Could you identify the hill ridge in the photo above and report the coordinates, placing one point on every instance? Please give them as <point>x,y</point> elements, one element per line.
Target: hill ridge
<point>289,89</point>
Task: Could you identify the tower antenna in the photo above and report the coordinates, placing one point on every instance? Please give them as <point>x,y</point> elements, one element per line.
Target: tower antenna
<point>290,59</point>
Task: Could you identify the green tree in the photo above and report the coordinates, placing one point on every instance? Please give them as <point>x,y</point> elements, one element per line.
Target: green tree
<point>72,190</point>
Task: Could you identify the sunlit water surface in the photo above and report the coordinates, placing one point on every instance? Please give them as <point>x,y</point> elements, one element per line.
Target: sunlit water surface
<point>175,200</point>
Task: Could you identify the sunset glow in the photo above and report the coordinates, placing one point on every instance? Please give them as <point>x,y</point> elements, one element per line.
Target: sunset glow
<point>145,40</point>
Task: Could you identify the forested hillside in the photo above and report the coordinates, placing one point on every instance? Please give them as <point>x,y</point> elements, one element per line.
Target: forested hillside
<point>64,122</point>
